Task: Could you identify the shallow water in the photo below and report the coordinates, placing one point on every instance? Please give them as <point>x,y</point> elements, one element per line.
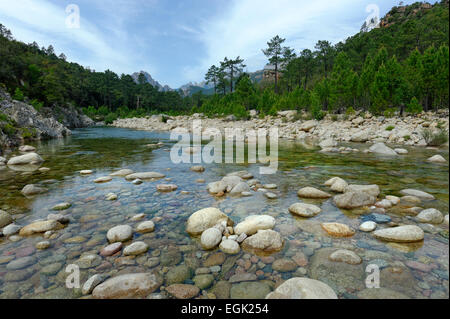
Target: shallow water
<point>415,270</point>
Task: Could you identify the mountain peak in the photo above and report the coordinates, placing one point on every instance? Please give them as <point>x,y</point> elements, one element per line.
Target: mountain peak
<point>150,80</point>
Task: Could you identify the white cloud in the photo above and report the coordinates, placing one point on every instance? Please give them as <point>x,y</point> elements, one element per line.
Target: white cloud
<point>44,22</point>
<point>246,27</point>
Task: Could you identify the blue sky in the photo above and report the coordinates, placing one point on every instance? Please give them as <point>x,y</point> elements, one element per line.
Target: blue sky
<point>176,41</point>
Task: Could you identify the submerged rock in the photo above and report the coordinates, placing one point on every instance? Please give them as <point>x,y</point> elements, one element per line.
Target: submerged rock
<point>401,234</point>
<point>103,179</point>
<point>430,215</point>
<point>337,229</point>
<point>249,290</point>
<point>351,200</point>
<point>40,227</point>
<point>62,206</point>
<point>346,256</point>
<point>136,248</point>
<point>93,282</point>
<point>417,193</point>
<point>144,175</point>
<point>368,226</point>
<point>229,246</point>
<point>183,291</point>
<point>122,173</point>
<point>311,192</point>
<point>5,219</point>
<point>111,249</point>
<point>302,288</point>
<point>197,168</point>
<point>128,286</point>
<point>31,189</point>
<point>146,227</point>
<point>29,158</point>
<point>304,210</point>
<point>119,233</point>
<point>372,190</point>
<point>166,187</point>
<point>264,240</point>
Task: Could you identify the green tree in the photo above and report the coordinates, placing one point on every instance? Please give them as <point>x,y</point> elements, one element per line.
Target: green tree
<point>325,53</point>
<point>212,76</point>
<point>232,68</point>
<point>274,53</point>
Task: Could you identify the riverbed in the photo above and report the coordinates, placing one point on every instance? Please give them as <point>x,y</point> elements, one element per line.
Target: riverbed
<point>416,270</point>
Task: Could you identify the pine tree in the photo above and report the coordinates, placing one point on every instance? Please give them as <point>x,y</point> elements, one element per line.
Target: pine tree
<point>233,69</point>
<point>274,53</point>
<point>212,76</point>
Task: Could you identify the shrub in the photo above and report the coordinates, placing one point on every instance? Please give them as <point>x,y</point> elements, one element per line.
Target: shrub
<point>37,105</point>
<point>110,118</point>
<point>350,111</point>
<point>407,137</point>
<point>103,110</point>
<point>390,112</point>
<point>4,118</point>
<point>390,128</point>
<point>18,95</point>
<point>334,117</point>
<point>239,111</point>
<point>414,106</point>
<point>28,133</point>
<point>316,109</point>
<point>435,138</point>
<point>9,129</point>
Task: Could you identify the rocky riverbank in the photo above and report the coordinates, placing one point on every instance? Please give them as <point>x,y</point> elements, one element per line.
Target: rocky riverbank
<point>20,121</point>
<point>359,127</point>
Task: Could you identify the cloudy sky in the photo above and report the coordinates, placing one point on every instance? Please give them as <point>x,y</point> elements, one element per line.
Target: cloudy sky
<point>176,41</point>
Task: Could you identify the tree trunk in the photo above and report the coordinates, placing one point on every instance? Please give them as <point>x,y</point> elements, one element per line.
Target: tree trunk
<point>231,80</point>
<point>276,77</point>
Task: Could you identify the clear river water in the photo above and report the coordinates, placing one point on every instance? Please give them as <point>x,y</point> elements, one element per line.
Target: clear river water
<point>418,270</point>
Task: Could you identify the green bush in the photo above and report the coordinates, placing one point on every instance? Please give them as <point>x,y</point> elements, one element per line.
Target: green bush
<point>316,108</point>
<point>390,128</point>
<point>239,111</point>
<point>28,133</point>
<point>110,118</point>
<point>103,111</point>
<point>18,95</point>
<point>435,138</point>
<point>390,112</point>
<point>350,111</point>
<point>4,118</point>
<point>414,106</point>
<point>334,117</point>
<point>9,130</point>
<point>37,105</point>
<point>90,111</point>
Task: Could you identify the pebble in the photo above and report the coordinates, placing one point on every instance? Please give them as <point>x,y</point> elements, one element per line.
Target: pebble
<point>368,226</point>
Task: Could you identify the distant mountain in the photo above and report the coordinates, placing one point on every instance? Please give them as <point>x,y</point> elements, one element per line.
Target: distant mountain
<point>150,80</point>
<point>191,87</point>
<point>194,87</point>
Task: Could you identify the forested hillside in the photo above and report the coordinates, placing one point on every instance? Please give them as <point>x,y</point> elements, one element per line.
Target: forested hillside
<point>400,66</point>
<point>47,80</point>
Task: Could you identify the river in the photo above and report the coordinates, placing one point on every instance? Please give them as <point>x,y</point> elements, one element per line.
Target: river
<point>418,270</point>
